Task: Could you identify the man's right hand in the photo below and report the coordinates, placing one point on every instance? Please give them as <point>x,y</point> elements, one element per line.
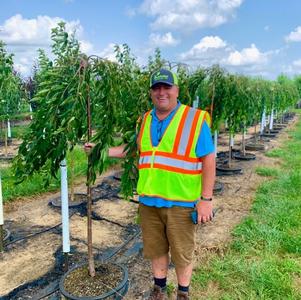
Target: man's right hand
<point>88,147</point>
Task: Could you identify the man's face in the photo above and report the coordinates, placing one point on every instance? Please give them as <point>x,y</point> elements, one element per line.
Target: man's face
<point>164,96</point>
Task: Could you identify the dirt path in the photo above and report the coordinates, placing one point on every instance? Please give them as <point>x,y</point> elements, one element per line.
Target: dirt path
<point>30,259</point>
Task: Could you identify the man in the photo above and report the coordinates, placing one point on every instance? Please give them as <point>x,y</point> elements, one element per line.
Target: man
<point>176,176</point>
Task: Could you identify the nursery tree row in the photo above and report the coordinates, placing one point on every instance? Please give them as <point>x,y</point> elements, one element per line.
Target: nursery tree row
<point>118,92</point>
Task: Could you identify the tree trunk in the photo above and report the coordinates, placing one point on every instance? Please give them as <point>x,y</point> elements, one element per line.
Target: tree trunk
<point>89,198</point>
<point>230,151</point>
<point>71,176</point>
<point>255,134</point>
<point>243,143</point>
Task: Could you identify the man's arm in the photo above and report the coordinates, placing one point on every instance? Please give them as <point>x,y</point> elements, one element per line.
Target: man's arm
<point>117,152</point>
<point>208,178</point>
<point>204,208</point>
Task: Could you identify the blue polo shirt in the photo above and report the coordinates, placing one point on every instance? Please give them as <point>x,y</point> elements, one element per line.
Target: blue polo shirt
<point>204,146</point>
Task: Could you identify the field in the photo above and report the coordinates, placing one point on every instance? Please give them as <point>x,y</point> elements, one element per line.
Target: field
<point>33,260</point>
<point>251,248</point>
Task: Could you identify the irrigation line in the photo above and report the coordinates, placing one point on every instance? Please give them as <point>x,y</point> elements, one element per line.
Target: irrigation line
<point>32,235</point>
<point>96,216</point>
<point>113,253</point>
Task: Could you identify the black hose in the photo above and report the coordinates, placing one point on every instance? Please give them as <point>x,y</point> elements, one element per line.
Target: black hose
<point>33,234</point>
<point>113,253</point>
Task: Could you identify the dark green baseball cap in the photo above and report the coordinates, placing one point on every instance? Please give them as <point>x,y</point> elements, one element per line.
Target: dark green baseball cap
<point>163,76</point>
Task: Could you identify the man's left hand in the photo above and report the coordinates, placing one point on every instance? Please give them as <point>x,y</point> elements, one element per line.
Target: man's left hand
<point>205,213</point>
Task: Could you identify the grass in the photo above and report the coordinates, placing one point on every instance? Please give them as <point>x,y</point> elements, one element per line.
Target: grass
<point>264,259</point>
<point>266,171</point>
<point>36,184</point>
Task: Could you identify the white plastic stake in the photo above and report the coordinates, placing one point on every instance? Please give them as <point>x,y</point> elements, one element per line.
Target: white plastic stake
<point>271,119</point>
<point>196,102</point>
<point>8,129</point>
<point>231,140</point>
<point>263,123</point>
<point>65,207</point>
<point>30,109</point>
<point>215,142</point>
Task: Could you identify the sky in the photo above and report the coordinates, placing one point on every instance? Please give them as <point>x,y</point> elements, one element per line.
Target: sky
<point>251,37</point>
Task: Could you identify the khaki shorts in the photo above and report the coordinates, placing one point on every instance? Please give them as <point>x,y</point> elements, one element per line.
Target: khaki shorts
<point>168,229</point>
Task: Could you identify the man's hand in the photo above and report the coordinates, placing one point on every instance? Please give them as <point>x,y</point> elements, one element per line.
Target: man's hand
<point>205,213</point>
<point>88,147</point>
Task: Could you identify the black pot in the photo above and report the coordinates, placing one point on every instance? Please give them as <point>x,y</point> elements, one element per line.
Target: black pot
<point>58,203</point>
<point>268,135</point>
<point>7,158</point>
<point>247,156</point>
<point>114,294</point>
<point>255,146</point>
<point>222,170</point>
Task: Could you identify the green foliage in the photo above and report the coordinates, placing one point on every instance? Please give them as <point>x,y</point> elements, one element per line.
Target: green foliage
<point>119,96</point>
<point>10,85</point>
<point>297,81</point>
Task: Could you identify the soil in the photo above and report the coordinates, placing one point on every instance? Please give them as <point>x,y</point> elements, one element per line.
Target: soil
<point>80,284</point>
<point>33,265</point>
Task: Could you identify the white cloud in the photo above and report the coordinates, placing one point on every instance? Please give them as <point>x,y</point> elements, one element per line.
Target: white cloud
<point>36,32</point>
<point>246,56</point>
<point>189,15</point>
<point>22,68</point>
<point>158,40</point>
<point>86,47</point>
<point>294,36</point>
<point>108,52</point>
<point>214,50</point>
<point>209,48</point>
<point>24,36</point>
<point>297,63</point>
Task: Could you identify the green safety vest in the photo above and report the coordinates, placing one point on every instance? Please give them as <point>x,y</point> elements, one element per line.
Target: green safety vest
<point>171,170</point>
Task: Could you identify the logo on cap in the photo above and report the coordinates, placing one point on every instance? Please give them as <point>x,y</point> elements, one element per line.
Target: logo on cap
<point>163,76</point>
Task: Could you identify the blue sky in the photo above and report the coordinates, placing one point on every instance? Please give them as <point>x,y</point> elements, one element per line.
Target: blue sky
<point>253,37</point>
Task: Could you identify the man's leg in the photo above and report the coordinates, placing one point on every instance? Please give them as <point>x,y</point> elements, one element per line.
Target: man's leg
<point>184,275</point>
<point>181,236</point>
<point>160,266</point>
